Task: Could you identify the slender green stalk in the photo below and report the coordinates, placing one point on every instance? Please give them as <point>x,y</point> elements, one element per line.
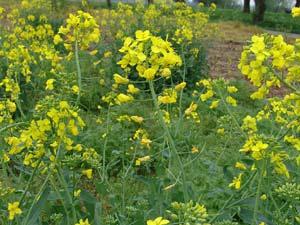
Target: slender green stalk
<point>105,145</point>
<point>258,192</point>
<point>181,95</point>
<point>63,203</point>
<point>63,182</point>
<point>11,126</point>
<point>79,77</point>
<point>29,182</point>
<point>291,87</point>
<point>36,198</point>
<point>20,108</point>
<point>170,140</point>
<point>231,114</point>
<point>226,204</point>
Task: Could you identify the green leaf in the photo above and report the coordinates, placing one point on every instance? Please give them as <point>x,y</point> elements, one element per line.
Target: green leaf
<point>37,208</point>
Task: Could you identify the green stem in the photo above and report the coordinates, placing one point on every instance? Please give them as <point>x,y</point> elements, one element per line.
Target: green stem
<point>287,84</point>
<point>79,77</point>
<point>63,182</point>
<point>231,114</point>
<point>63,203</point>
<point>170,139</point>
<point>29,182</point>
<point>36,198</point>
<point>258,192</point>
<point>181,94</point>
<point>11,126</point>
<point>20,108</point>
<point>105,145</point>
<point>226,204</point>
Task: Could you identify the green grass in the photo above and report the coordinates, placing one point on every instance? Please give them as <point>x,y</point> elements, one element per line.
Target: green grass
<point>281,21</point>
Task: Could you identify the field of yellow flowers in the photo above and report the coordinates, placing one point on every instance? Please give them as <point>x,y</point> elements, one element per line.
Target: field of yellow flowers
<point>109,117</point>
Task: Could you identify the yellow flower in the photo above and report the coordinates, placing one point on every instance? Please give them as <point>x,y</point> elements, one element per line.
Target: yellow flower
<point>206,95</point>
<point>213,6</point>
<point>168,96</point>
<point>195,150</point>
<point>77,193</point>
<point>180,86</point>
<point>149,74</point>
<point>166,73</point>
<point>249,123</point>
<point>158,221</point>
<point>137,119</point>
<point>232,89</point>
<point>240,166</point>
<point>214,104</point>
<point>88,173</point>
<point>142,159</point>
<point>120,80</point>
<point>146,142</point>
<point>221,131</point>
<point>231,101</point>
<point>13,209</point>
<point>81,222</point>
<point>107,54</point>
<point>132,89</point>
<point>122,98</point>
<point>236,183</point>
<point>49,84</point>
<point>142,35</point>
<point>263,197</point>
<point>57,39</point>
<point>6,157</point>
<point>296,11</point>
<point>75,89</point>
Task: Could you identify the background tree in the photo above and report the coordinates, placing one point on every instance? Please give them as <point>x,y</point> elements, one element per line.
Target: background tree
<point>260,8</point>
<point>108,3</point>
<point>246,6</point>
<point>297,3</point>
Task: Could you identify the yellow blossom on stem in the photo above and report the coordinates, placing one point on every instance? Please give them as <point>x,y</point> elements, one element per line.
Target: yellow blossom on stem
<point>13,210</point>
<point>236,183</point>
<point>158,221</point>
<point>83,222</point>
<point>88,173</point>
<point>49,84</point>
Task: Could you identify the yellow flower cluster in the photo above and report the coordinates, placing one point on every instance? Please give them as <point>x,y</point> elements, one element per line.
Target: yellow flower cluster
<point>13,210</point>
<point>44,138</point>
<point>188,213</point>
<point>265,61</point>
<point>7,108</point>
<point>151,56</point>
<point>215,92</point>
<point>158,221</point>
<point>191,112</point>
<point>295,11</point>
<point>81,29</point>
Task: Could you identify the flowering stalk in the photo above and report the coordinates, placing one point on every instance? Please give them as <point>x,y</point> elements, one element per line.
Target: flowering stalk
<point>78,73</point>
<point>170,139</point>
<point>181,93</point>
<point>65,186</point>
<point>258,192</point>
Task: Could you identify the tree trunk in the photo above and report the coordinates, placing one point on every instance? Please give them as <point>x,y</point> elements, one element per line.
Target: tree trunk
<point>297,3</point>
<point>150,2</point>
<point>260,8</point>
<point>108,3</point>
<point>246,6</point>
